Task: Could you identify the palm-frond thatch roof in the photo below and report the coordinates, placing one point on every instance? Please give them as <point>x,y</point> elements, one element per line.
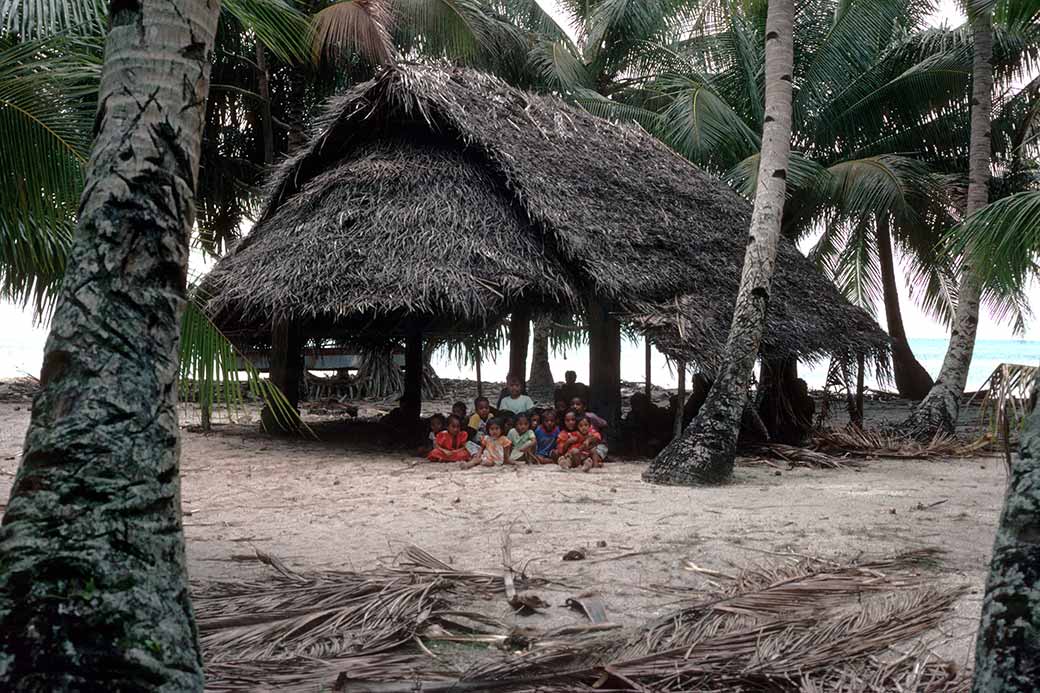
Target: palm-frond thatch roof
<point>446,197</point>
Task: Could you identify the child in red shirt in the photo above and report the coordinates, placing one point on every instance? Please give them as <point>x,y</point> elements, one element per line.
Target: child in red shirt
<point>450,445</point>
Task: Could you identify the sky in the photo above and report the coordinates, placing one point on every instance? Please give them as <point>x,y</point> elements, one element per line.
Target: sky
<point>21,342</point>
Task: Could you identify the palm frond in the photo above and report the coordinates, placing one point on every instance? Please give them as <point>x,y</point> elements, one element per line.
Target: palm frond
<point>355,26</point>
<point>1002,240</point>
<point>559,67</point>
<point>47,96</point>
<point>278,24</point>
<point>211,371</point>
<point>454,29</point>
<point>702,126</point>
<point>1006,402</point>
<point>34,19</point>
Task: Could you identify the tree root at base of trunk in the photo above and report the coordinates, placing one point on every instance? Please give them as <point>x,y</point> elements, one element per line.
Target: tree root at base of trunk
<point>699,458</point>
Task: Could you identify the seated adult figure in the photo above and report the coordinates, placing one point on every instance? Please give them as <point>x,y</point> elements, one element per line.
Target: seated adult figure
<point>571,388</point>
<point>516,401</point>
<point>647,428</point>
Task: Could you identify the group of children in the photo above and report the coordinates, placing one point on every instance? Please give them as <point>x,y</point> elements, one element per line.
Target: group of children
<point>518,433</point>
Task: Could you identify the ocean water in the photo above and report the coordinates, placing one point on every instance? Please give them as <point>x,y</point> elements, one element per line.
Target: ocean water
<point>21,352</point>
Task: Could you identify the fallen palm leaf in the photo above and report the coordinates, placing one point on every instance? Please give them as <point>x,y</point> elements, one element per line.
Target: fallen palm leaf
<point>858,442</point>
<point>803,625</point>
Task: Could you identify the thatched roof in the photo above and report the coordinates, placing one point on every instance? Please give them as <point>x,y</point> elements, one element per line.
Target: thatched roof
<point>447,197</point>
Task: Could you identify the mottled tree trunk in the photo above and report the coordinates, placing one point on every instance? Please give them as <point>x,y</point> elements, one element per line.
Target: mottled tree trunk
<point>605,366</point>
<point>519,339</point>
<point>93,584</point>
<point>264,89</point>
<point>782,406</point>
<point>938,412</point>
<point>540,383</point>
<point>1007,650</point>
<point>705,453</point>
<point>912,380</point>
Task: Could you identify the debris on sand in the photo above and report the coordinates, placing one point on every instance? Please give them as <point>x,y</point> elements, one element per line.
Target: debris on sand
<point>803,625</point>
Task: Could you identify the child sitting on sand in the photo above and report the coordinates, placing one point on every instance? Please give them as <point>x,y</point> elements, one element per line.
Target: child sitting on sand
<point>568,438</point>
<point>478,424</point>
<point>450,445</point>
<point>523,441</point>
<point>585,454</point>
<point>493,448</point>
<point>546,435</point>
<point>436,426</point>
<point>459,410</point>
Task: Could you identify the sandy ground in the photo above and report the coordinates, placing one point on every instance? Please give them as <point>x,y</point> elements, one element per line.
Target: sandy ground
<point>332,503</point>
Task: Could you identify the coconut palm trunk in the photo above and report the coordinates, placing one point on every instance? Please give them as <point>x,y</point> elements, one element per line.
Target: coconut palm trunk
<point>912,380</point>
<point>1007,651</point>
<point>93,585</point>
<point>540,383</point>
<point>706,451</point>
<point>938,412</point>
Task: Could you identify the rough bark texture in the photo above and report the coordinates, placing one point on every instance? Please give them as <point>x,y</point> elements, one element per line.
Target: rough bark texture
<point>519,338</point>
<point>93,585</point>
<point>605,367</point>
<point>286,373</point>
<point>705,453</point>
<point>1007,652</point>
<point>540,383</point>
<point>264,90</point>
<point>912,380</point>
<point>786,409</point>
<point>938,412</point>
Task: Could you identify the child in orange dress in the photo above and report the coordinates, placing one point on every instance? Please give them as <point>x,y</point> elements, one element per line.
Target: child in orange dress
<point>450,445</point>
<point>494,448</point>
<point>569,439</point>
<point>586,455</point>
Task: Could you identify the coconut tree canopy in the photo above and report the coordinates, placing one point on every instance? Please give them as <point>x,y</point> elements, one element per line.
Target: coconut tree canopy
<point>443,198</point>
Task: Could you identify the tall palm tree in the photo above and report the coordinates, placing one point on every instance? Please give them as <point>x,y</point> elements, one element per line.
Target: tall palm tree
<point>705,452</point>
<point>700,92</point>
<point>48,85</point>
<point>938,412</point>
<point>94,582</point>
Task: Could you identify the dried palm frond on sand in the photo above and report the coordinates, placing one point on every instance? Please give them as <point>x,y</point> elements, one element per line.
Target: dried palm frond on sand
<point>854,441</point>
<point>804,625</point>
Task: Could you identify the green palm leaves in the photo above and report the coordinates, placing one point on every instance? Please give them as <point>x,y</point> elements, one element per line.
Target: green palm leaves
<point>47,93</point>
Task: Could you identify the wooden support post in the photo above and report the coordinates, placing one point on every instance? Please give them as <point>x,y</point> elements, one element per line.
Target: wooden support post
<point>480,378</point>
<point>649,351</point>
<point>411,400</point>
<point>786,409</point>
<point>857,419</point>
<point>605,366</point>
<point>680,409</point>
<point>519,338</point>
<point>286,371</point>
